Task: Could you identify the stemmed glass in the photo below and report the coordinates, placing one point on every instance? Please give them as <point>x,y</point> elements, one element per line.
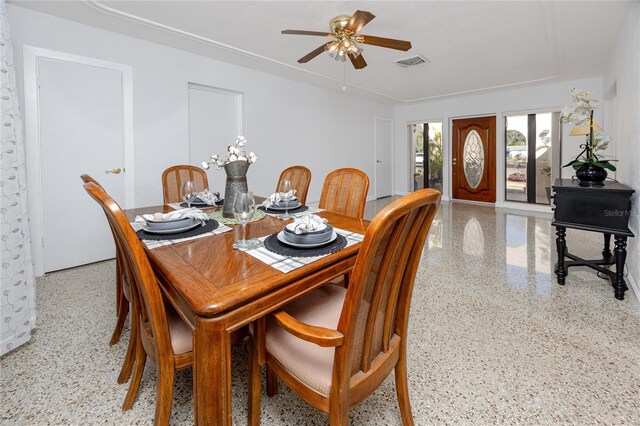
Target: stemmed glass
<point>286,194</point>
<point>189,192</point>
<point>244,208</point>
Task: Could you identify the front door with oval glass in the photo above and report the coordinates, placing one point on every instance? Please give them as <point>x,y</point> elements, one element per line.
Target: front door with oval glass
<point>473,165</point>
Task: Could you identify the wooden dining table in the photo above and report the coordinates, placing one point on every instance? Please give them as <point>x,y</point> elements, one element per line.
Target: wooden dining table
<point>217,289</point>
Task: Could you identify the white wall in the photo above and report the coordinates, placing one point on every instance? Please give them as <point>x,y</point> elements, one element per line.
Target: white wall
<point>540,97</point>
<point>285,122</point>
<point>622,90</point>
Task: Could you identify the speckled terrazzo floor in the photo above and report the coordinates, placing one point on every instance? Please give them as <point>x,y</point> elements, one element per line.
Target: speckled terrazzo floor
<point>494,340</point>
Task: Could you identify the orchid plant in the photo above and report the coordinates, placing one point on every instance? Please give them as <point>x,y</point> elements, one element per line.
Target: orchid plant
<point>580,113</point>
<point>235,152</point>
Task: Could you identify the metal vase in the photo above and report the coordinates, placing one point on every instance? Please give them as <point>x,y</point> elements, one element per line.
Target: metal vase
<point>236,182</point>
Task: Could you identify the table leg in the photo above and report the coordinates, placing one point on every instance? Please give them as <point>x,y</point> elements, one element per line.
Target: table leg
<point>561,246</point>
<point>211,373</point>
<point>620,252</point>
<point>606,251</point>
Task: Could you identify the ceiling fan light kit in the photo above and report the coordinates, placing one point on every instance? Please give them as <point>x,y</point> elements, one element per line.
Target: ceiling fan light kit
<point>345,31</point>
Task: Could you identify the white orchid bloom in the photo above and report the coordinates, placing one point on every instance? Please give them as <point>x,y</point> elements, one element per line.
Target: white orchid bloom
<point>205,165</point>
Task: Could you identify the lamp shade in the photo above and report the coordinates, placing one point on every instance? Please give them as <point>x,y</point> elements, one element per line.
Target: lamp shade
<point>584,130</point>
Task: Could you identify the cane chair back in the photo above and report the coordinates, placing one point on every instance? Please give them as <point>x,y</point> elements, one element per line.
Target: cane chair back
<point>174,176</point>
<point>345,192</point>
<point>300,178</point>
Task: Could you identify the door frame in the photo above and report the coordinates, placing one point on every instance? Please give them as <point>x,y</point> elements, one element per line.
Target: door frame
<point>392,159</point>
<point>219,90</point>
<point>32,137</point>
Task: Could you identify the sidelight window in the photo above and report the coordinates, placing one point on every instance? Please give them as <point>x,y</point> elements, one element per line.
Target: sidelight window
<point>530,142</point>
<point>426,142</point>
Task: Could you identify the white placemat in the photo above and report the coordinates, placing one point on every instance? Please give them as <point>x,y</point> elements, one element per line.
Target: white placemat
<point>289,263</point>
<point>161,243</point>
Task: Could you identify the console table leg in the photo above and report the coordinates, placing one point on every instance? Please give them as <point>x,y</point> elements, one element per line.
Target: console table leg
<point>606,251</point>
<point>620,252</point>
<point>561,245</point>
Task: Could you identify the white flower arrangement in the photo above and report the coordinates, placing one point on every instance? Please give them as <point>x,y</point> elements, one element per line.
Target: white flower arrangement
<point>236,152</point>
<point>580,113</point>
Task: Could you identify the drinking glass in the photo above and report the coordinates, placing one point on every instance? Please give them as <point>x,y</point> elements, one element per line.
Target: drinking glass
<point>189,192</point>
<point>286,194</point>
<point>244,208</point>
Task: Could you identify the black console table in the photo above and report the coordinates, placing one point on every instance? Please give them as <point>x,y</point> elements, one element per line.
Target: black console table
<point>604,208</point>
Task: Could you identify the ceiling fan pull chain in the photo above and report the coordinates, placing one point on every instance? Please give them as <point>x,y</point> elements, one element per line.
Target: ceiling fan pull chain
<point>344,76</point>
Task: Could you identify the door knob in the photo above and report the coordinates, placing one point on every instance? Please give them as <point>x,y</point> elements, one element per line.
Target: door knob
<point>114,170</point>
<point>378,161</point>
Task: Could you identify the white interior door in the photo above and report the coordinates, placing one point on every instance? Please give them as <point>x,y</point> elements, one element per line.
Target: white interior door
<point>215,120</point>
<point>384,157</point>
<point>81,130</point>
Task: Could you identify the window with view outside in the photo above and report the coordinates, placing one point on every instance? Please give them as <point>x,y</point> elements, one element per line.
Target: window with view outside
<point>427,158</point>
<point>528,143</point>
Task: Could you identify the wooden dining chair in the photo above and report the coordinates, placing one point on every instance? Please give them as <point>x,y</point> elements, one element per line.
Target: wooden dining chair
<point>123,305</point>
<point>173,177</point>
<point>345,192</point>
<point>300,178</point>
<point>335,346</point>
<point>162,335</point>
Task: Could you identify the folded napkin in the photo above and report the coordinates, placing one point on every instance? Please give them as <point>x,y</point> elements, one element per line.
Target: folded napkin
<point>176,214</point>
<point>307,223</point>
<point>210,198</point>
<point>277,199</point>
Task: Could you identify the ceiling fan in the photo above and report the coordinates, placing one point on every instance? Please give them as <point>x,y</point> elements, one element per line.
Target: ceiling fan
<point>345,32</point>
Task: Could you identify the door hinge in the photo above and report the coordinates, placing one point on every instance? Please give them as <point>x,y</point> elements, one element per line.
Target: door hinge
<point>42,241</point>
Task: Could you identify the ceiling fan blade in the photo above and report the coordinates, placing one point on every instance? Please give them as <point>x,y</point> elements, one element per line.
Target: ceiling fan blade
<point>384,42</point>
<point>357,61</point>
<point>309,56</point>
<point>359,20</point>
<point>303,32</point>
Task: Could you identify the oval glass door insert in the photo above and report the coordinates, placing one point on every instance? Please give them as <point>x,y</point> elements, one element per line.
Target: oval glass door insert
<point>473,159</point>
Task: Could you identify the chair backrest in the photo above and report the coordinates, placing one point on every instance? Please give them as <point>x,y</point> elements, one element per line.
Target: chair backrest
<point>300,178</point>
<point>376,309</point>
<point>138,271</point>
<point>86,179</point>
<point>173,177</point>
<point>345,192</point>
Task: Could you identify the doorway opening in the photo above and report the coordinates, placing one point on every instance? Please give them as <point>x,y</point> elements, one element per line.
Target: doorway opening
<point>426,158</point>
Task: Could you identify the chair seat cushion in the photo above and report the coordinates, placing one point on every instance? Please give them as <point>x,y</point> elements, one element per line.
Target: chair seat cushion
<point>179,331</point>
<point>309,362</point>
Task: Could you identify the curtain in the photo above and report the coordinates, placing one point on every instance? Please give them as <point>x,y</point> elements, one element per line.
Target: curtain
<point>17,298</point>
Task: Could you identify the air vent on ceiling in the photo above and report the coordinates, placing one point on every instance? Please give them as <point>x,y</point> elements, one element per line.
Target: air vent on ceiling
<point>412,61</point>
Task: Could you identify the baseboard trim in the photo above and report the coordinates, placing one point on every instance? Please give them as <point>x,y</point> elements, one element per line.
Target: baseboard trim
<point>633,285</point>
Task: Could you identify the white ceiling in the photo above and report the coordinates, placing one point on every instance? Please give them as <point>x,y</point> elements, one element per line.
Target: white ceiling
<point>472,46</point>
